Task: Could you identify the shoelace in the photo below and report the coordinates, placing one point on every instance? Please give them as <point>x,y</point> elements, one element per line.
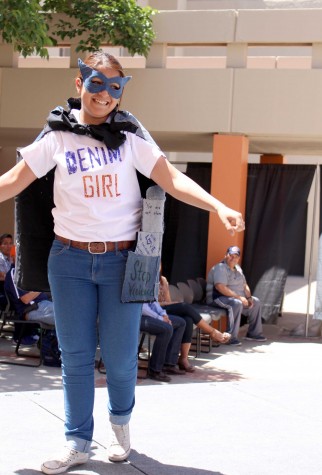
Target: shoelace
<point>118,436</point>
<point>68,455</point>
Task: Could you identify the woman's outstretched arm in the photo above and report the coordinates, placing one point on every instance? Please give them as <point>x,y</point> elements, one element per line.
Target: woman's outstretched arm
<point>181,187</point>
<point>15,180</point>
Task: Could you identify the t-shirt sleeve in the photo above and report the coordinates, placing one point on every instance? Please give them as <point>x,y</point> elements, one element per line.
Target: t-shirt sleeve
<point>145,154</point>
<point>39,154</point>
<point>220,274</point>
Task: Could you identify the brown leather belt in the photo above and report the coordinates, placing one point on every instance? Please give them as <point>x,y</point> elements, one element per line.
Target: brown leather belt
<point>99,247</point>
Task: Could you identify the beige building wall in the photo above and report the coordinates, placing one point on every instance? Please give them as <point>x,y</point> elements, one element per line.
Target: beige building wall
<point>209,71</point>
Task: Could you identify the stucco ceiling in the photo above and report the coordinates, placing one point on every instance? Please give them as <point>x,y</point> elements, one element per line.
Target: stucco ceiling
<point>176,142</point>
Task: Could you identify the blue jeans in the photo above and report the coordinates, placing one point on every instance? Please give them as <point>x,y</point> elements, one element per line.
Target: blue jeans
<point>86,291</point>
<point>235,309</point>
<point>166,346</point>
<point>190,315</point>
<point>44,313</point>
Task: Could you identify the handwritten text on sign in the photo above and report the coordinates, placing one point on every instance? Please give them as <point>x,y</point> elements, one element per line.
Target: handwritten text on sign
<point>152,216</point>
<point>149,244</point>
<point>141,278</point>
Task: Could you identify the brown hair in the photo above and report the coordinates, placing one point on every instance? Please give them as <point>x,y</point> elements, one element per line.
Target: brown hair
<point>99,58</point>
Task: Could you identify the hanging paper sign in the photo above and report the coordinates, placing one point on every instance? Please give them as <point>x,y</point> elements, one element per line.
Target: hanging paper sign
<point>152,216</point>
<point>149,244</point>
<point>142,272</point>
<point>141,281</point>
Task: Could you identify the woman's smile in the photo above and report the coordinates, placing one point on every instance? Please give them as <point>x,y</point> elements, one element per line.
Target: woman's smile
<point>100,101</point>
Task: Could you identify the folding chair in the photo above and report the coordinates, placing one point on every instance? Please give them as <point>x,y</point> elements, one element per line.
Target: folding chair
<point>145,360</point>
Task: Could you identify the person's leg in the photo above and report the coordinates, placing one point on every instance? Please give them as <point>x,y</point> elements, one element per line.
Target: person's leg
<point>191,317</point>
<point>234,308</point>
<point>215,334</point>
<point>75,299</point>
<point>178,325</point>
<point>119,325</point>
<point>3,301</point>
<point>255,327</point>
<point>44,313</point>
<point>163,333</point>
<point>183,361</point>
<point>185,310</point>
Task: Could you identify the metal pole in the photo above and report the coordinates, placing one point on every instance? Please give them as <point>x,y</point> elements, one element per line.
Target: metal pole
<point>316,178</point>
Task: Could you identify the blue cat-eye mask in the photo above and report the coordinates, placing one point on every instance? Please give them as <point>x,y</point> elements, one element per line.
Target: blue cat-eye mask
<point>114,86</point>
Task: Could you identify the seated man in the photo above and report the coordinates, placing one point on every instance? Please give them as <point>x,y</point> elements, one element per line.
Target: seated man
<point>168,330</point>
<point>6,262</point>
<point>227,288</point>
<point>29,305</point>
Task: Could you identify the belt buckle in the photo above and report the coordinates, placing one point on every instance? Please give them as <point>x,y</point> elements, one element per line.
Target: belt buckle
<point>97,242</point>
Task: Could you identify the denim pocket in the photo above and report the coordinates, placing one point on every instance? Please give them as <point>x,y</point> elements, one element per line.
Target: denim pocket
<point>58,248</point>
<point>123,253</point>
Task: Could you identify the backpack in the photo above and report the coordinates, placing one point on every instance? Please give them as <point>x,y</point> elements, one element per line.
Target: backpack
<point>50,353</point>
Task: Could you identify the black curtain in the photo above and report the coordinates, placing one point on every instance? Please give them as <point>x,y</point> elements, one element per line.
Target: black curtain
<point>276,215</point>
<point>184,250</point>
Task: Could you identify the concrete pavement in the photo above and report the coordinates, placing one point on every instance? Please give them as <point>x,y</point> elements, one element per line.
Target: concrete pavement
<point>249,410</point>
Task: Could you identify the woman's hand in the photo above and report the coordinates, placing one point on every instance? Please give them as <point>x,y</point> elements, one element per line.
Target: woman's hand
<point>232,220</point>
<point>182,188</point>
<point>166,319</point>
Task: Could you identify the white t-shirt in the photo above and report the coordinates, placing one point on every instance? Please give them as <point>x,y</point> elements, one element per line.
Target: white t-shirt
<point>96,191</point>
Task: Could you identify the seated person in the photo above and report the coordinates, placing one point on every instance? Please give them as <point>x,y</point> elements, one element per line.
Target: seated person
<point>168,330</point>
<point>6,262</point>
<point>227,288</point>
<point>3,300</point>
<point>29,305</point>
<point>192,317</point>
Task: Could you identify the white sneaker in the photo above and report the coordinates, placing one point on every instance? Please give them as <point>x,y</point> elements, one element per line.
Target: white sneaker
<point>119,447</point>
<point>69,458</point>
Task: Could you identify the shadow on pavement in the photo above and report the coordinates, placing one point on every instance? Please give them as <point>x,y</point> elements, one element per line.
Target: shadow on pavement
<point>147,465</point>
<point>137,464</point>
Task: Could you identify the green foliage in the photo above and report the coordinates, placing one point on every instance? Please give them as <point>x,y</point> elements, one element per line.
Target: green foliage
<point>116,22</point>
<point>24,27</point>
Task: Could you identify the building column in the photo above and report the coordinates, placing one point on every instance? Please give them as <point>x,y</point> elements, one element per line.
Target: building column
<point>8,56</point>
<point>228,184</point>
